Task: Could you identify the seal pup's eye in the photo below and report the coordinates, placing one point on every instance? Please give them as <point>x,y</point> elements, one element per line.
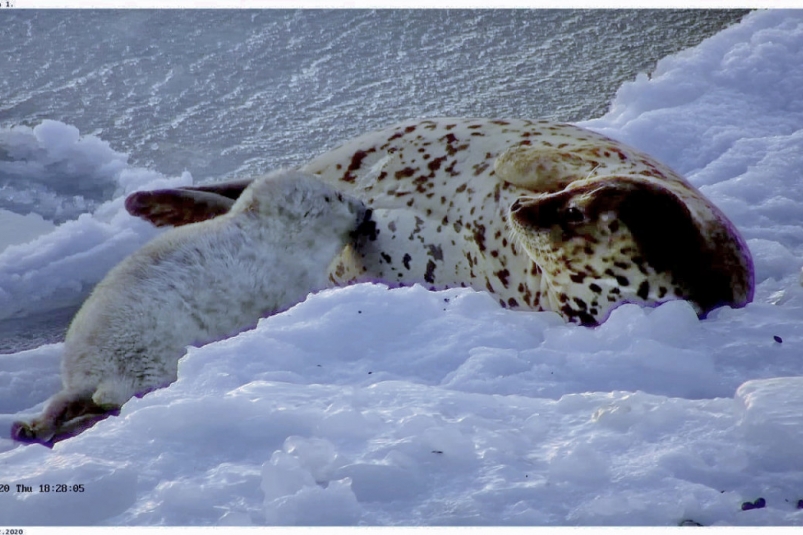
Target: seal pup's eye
<point>574,215</point>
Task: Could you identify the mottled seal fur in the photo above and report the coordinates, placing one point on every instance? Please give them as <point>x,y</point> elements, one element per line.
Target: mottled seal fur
<point>543,215</point>
<point>192,285</point>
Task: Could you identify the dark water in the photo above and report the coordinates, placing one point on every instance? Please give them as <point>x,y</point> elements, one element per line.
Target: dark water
<point>19,334</point>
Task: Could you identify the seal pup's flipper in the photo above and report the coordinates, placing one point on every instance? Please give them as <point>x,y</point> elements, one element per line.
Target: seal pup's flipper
<point>176,207</point>
<point>232,189</point>
<point>66,414</point>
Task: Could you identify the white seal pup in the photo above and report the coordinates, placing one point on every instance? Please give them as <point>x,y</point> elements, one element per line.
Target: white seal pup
<point>193,285</point>
<point>442,190</point>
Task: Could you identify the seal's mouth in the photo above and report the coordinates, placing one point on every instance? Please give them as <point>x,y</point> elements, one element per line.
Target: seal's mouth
<point>366,228</point>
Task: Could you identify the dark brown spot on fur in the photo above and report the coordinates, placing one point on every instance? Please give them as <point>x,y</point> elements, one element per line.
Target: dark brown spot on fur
<point>356,163</point>
<point>435,252</point>
<point>400,134</point>
<point>429,276</point>
<point>479,236</point>
<point>386,258</point>
<point>340,269</point>
<point>407,172</point>
<point>480,168</point>
<point>449,138</point>
<point>435,164</point>
<point>643,290</point>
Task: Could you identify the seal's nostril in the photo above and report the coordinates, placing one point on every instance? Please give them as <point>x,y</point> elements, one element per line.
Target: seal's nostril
<point>515,206</point>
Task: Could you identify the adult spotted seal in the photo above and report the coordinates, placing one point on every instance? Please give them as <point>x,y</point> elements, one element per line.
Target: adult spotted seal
<point>192,285</point>
<point>543,215</point>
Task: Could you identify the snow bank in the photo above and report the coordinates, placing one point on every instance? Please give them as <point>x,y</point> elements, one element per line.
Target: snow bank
<point>365,405</point>
<point>376,406</point>
<point>16,228</point>
<point>728,114</point>
<point>54,170</point>
<point>59,268</point>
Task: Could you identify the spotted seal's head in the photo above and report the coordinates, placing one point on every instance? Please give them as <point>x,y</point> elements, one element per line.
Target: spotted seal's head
<point>614,240</point>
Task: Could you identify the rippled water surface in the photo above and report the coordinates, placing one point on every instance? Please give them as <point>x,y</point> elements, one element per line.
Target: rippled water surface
<point>225,93</point>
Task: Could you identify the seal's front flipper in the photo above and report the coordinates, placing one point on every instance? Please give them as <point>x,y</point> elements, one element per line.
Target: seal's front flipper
<point>176,207</point>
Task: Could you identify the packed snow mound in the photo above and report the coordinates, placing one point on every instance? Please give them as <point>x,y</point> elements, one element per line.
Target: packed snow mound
<point>39,166</point>
<point>366,405</point>
<point>60,265</point>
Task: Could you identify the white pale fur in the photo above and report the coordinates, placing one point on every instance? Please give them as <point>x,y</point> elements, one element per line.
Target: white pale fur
<point>203,282</point>
<point>487,164</point>
<point>441,190</point>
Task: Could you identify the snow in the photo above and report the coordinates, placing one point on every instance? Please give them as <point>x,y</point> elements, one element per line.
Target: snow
<point>16,228</point>
<point>365,405</point>
<point>51,158</point>
<point>59,267</point>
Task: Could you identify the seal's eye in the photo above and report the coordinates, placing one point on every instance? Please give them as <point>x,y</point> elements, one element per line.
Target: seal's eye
<point>574,215</point>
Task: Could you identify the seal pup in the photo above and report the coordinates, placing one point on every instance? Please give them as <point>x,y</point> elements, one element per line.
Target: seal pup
<point>190,286</point>
<point>442,190</point>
